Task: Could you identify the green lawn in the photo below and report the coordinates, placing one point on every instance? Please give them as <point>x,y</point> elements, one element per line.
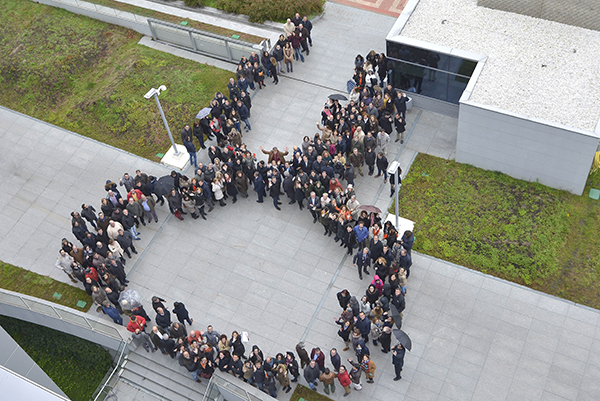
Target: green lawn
<point>309,395</point>
<point>90,77</point>
<point>29,283</point>
<point>76,366</point>
<point>524,232</point>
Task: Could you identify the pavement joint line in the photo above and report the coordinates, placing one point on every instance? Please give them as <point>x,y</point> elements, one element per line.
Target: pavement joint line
<point>412,128</point>
<point>325,294</point>
<point>137,262</point>
<point>341,264</point>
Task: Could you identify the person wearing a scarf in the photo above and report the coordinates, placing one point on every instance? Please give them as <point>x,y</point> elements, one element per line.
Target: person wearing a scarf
<point>368,366</point>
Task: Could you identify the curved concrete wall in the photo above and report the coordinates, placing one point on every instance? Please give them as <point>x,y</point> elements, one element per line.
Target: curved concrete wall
<point>61,318</point>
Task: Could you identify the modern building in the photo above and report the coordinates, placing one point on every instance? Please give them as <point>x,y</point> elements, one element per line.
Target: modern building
<point>524,89</point>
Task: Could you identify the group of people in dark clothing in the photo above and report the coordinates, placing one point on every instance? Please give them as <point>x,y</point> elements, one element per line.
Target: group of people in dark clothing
<point>99,262</point>
<point>380,309</point>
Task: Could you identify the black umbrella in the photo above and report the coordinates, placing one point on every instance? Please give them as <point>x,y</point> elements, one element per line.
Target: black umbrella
<point>164,185</point>
<point>337,96</point>
<point>403,339</point>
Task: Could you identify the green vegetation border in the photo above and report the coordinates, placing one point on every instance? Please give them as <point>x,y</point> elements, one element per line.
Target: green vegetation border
<point>144,12</point>
<point>303,392</point>
<point>520,231</point>
<point>26,282</point>
<point>90,77</point>
<point>76,366</point>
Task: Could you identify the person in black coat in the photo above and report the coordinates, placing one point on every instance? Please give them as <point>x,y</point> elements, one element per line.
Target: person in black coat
<point>398,360</point>
<point>292,365</point>
<point>376,248</point>
<point>343,298</point>
<point>299,194</point>
<point>400,103</point>
<point>404,260</point>
<point>274,192</point>
<point>182,313</point>
<point>163,318</point>
<point>89,213</point>
<point>199,134</point>
<point>236,366</point>
<point>126,241</point>
<point>168,345</point>
<point>349,238</point>
<point>259,186</point>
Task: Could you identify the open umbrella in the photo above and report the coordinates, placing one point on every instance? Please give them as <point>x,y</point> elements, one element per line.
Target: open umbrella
<point>369,208</point>
<point>350,85</point>
<point>337,96</point>
<point>164,185</point>
<point>129,300</point>
<point>403,339</point>
<point>203,113</point>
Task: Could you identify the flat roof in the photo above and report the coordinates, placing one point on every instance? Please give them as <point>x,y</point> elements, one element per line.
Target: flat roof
<point>537,68</point>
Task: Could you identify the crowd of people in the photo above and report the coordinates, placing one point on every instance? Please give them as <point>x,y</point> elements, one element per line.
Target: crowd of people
<point>318,174</point>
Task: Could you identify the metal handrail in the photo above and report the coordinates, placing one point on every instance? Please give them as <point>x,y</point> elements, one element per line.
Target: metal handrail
<point>118,365</point>
<point>200,32</point>
<point>54,310</point>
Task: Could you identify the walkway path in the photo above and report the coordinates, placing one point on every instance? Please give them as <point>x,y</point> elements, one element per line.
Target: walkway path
<point>388,7</point>
<point>275,275</point>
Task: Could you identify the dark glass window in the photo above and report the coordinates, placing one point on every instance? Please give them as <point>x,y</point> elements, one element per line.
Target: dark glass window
<point>432,74</point>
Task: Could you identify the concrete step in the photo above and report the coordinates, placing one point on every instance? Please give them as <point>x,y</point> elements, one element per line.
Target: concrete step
<point>160,391</point>
<point>161,376</point>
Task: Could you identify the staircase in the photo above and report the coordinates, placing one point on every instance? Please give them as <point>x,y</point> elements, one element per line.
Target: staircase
<point>161,377</point>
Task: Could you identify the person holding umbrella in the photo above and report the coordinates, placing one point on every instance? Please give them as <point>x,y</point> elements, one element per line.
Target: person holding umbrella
<point>398,352</point>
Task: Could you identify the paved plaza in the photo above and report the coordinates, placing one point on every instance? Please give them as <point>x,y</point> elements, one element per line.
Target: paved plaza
<point>273,274</point>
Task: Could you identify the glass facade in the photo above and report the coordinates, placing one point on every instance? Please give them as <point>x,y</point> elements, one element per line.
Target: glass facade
<point>428,73</point>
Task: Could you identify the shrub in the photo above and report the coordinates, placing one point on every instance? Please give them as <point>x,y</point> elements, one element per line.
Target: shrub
<point>273,10</point>
<point>194,3</point>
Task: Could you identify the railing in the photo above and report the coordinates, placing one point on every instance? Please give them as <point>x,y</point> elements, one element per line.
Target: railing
<point>104,389</point>
<point>202,42</point>
<point>219,387</point>
<point>63,313</point>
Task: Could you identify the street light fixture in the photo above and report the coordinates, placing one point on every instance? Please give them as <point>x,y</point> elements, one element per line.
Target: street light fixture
<point>393,170</point>
<point>155,92</point>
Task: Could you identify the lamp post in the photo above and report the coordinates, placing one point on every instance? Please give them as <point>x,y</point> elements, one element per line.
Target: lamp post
<point>155,92</point>
<point>393,169</point>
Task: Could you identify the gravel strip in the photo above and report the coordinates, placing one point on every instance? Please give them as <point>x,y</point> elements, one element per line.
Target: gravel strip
<point>538,68</point>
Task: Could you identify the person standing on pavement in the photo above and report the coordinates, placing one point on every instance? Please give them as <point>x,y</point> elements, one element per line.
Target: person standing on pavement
<point>344,380</point>
<point>144,340</point>
<point>398,352</point>
<point>191,148</point>
<point>274,192</point>
<point>308,25</point>
<point>64,262</point>
<point>368,366</point>
<point>288,57</point>
<point>244,114</point>
<point>357,159</point>
<point>312,374</point>
<point>113,313</point>
<point>400,125</point>
<point>182,313</point>
<point>328,377</point>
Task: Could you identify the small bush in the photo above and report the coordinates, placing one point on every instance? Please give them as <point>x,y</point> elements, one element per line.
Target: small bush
<point>273,10</point>
<point>194,3</point>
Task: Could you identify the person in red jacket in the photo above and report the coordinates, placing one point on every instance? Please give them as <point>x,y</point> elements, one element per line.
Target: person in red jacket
<point>136,322</point>
<point>344,379</point>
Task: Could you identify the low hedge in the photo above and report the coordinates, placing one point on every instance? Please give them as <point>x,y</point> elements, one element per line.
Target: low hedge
<point>273,10</point>
<point>76,366</point>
